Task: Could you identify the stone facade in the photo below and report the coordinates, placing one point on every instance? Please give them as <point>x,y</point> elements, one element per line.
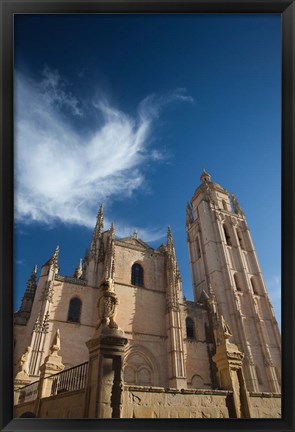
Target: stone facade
<point>124,313</point>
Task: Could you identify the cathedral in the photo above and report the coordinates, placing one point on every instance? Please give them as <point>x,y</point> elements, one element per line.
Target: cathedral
<point>118,339</point>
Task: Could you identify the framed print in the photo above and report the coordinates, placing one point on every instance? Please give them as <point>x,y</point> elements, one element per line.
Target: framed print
<point>147,215</point>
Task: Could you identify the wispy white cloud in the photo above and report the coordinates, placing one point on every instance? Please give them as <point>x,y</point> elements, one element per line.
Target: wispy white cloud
<point>61,174</point>
<point>52,89</point>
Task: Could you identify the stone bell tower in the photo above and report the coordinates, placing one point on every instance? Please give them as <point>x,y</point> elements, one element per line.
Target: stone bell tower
<point>224,265</point>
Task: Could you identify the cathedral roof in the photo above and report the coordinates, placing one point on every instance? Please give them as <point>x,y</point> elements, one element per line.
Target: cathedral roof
<point>132,240</point>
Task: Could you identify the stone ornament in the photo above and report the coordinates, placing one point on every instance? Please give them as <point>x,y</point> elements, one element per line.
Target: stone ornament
<point>107,305</point>
<point>23,364</point>
<point>55,347</point>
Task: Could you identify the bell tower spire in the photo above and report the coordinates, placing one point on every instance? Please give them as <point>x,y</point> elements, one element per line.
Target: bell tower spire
<point>224,264</point>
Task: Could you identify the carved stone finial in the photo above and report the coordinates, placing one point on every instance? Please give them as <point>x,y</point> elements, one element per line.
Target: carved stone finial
<point>135,234</point>
<point>226,332</point>
<point>107,305</point>
<point>53,362</point>
<point>55,347</point>
<point>23,363</point>
<point>79,270</point>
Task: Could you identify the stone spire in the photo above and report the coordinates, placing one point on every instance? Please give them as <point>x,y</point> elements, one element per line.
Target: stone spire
<point>99,224</point>
<point>79,270</point>
<point>172,263</point>
<point>175,347</point>
<point>170,242</point>
<point>96,244</point>
<point>53,260</point>
<point>31,284</point>
<point>23,315</point>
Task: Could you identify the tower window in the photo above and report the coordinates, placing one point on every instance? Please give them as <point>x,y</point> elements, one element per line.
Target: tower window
<point>74,310</point>
<point>224,205</point>
<point>137,275</point>
<point>258,374</point>
<point>237,282</point>
<point>241,239</point>
<point>198,248</point>
<point>254,286</point>
<point>190,331</point>
<point>227,236</point>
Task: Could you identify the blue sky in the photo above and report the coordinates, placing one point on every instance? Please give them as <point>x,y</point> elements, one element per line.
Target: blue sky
<point>126,110</point>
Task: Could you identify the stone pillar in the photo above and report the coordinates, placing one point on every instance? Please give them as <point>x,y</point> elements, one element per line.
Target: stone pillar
<point>51,366</point>
<point>104,390</point>
<point>228,360</point>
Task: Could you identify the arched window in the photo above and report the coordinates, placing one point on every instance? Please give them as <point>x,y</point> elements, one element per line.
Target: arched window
<point>74,312</point>
<point>226,235</point>
<point>190,331</point>
<point>197,382</point>
<point>224,205</point>
<point>137,275</point>
<point>237,282</point>
<point>139,370</point>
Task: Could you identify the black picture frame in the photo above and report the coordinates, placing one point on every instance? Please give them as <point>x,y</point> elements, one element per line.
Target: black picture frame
<point>10,7</point>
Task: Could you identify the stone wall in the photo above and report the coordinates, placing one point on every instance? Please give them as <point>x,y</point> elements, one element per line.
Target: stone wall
<point>265,405</point>
<point>64,405</point>
<point>142,402</point>
<point>23,408</point>
<point>147,402</point>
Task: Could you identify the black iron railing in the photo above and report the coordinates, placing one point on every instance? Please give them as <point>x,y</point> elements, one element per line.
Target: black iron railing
<point>69,379</point>
<point>28,393</point>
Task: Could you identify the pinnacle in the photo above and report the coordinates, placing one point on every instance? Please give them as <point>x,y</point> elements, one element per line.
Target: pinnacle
<point>169,237</point>
<point>205,176</point>
<point>99,224</point>
<point>53,259</point>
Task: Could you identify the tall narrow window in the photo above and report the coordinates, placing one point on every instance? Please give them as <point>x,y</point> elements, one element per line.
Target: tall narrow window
<point>278,374</point>
<point>258,374</point>
<point>137,275</point>
<point>227,236</point>
<point>237,282</point>
<point>241,239</point>
<point>198,248</point>
<point>224,205</point>
<point>254,286</point>
<point>190,331</point>
<point>74,312</point>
